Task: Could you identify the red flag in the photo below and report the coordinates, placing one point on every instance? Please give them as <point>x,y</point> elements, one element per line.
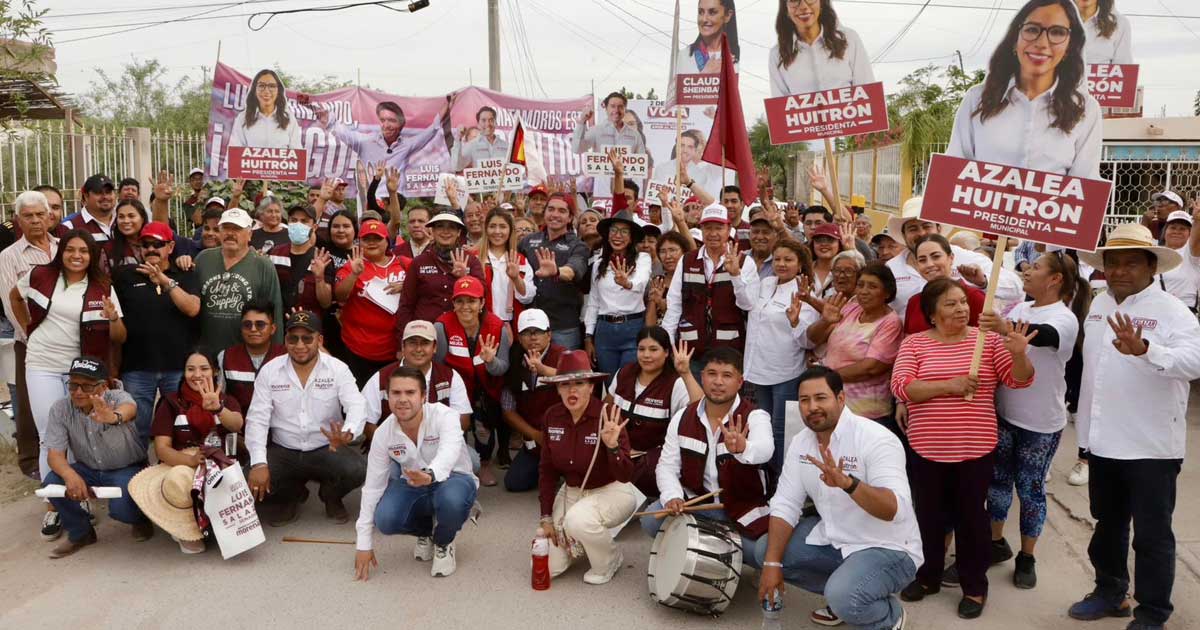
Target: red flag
<point>516,152</point>
<point>728,143</point>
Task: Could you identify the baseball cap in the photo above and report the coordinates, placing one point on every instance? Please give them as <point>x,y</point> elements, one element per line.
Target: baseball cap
<point>420,328</point>
<point>303,319</point>
<point>538,190</point>
<point>339,182</point>
<point>1166,194</point>
<point>98,182</point>
<point>691,200</point>
<point>714,213</point>
<point>195,170</point>
<point>1179,215</point>
<point>534,318</point>
<point>469,286</point>
<point>238,217</point>
<point>217,200</point>
<point>506,206</point>
<point>372,227</point>
<point>158,231</point>
<point>827,229</point>
<point>305,208</point>
<point>697,235</point>
<point>89,367</point>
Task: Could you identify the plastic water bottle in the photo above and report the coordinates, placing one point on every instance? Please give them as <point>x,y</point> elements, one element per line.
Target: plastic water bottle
<point>772,612</point>
<point>541,561</point>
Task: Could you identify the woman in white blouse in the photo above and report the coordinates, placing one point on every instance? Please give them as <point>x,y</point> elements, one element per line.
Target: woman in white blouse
<point>1033,110</point>
<point>265,122</point>
<point>713,17</point>
<point>1108,33</point>
<point>511,285</point>
<point>813,51</point>
<point>776,325</point>
<point>616,306</point>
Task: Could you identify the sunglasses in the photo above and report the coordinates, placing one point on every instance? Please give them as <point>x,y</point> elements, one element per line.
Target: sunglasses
<point>87,389</point>
<point>153,244</point>
<point>255,325</point>
<point>300,339</point>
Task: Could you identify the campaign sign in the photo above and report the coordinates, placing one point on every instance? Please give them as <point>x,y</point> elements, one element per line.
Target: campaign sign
<point>1113,85</point>
<point>655,189</point>
<point>835,113</point>
<point>637,165</point>
<point>1021,203</point>
<point>268,163</point>
<point>486,177</point>
<point>697,89</point>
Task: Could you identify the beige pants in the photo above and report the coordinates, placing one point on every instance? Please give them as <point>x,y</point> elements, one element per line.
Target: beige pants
<point>588,520</point>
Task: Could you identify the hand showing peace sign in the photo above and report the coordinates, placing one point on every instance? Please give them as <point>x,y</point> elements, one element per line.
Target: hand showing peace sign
<point>831,472</point>
<point>735,435</point>
<point>488,346</point>
<point>611,425</point>
<point>459,257</point>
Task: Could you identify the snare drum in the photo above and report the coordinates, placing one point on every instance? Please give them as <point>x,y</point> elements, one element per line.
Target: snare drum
<point>695,564</point>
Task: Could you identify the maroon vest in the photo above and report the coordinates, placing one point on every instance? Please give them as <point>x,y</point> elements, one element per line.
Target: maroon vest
<point>441,378</point>
<point>710,317</point>
<point>458,353</point>
<point>533,398</point>
<point>305,292</point>
<point>744,488</point>
<point>93,325</point>
<point>239,372</point>
<point>648,414</point>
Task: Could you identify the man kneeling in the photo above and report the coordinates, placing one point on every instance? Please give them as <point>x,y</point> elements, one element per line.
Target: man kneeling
<point>419,478</point>
<point>865,546</point>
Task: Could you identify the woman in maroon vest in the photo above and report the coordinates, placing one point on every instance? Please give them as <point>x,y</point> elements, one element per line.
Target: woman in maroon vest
<point>649,392</point>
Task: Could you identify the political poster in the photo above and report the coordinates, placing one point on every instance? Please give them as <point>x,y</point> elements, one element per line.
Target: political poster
<point>695,66</point>
<point>657,121</point>
<point>834,113</point>
<point>1113,85</point>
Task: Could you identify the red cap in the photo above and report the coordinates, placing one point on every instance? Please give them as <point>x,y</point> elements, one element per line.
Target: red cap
<point>469,286</point>
<point>539,189</point>
<point>371,227</point>
<point>159,231</point>
<point>828,229</point>
<point>692,199</point>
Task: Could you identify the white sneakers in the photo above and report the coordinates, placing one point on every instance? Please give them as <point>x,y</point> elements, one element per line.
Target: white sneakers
<point>443,561</point>
<point>902,621</point>
<point>825,617</point>
<point>423,552</point>
<point>1079,474</point>
<point>605,575</point>
<point>190,547</point>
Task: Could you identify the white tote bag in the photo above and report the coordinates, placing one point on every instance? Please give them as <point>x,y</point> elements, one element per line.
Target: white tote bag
<point>230,509</point>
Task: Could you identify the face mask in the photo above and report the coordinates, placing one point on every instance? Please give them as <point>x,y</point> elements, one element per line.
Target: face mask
<point>298,233</point>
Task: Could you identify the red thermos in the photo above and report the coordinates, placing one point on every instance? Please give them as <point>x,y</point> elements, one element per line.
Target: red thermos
<point>541,561</point>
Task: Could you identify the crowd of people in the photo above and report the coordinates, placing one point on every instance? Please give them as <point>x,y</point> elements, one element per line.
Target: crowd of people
<point>646,356</point>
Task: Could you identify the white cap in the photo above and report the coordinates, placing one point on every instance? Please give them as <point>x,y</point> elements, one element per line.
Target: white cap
<point>195,170</point>
<point>506,206</point>
<point>714,213</point>
<point>446,217</point>
<point>697,235</point>
<point>1179,215</point>
<point>217,200</point>
<point>1169,196</point>
<point>236,216</point>
<point>533,318</point>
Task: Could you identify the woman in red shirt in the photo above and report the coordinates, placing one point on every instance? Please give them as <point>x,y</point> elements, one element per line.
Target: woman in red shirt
<point>368,287</point>
<point>951,428</point>
<point>935,259</point>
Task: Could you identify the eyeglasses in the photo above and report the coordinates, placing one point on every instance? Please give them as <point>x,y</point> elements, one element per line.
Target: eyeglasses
<point>796,3</point>
<point>619,231</point>
<point>1030,32</point>
<point>87,389</point>
<point>267,87</point>
<point>255,325</point>
<point>300,339</point>
<point>844,272</point>
<point>153,244</point>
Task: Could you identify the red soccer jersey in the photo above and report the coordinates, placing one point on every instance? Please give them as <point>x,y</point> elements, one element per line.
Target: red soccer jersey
<point>367,328</point>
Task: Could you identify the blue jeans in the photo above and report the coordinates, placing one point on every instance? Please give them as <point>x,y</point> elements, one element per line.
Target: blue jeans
<point>75,520</point>
<point>616,344</point>
<point>773,400</point>
<point>439,509</point>
<point>569,338</point>
<point>143,385</point>
<point>861,589</point>
<point>651,525</point>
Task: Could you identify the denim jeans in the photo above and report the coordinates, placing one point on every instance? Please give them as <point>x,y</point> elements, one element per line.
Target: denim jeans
<point>522,475</point>
<point>75,520</point>
<point>616,344</point>
<point>651,525</point>
<point>773,399</point>
<point>144,385</point>
<point>438,509</point>
<point>568,338</point>
<point>861,588</point>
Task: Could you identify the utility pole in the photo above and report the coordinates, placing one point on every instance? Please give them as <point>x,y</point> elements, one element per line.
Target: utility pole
<point>494,45</point>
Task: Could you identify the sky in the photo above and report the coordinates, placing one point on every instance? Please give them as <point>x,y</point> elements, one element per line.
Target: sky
<point>573,44</point>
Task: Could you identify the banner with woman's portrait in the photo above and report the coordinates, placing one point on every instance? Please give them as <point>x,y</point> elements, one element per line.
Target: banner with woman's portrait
<point>260,129</point>
<point>697,65</point>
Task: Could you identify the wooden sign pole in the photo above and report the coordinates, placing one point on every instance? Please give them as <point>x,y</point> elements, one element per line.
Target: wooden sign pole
<point>832,173</point>
<point>993,280</point>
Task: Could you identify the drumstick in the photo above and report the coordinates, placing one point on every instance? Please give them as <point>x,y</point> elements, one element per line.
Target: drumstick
<point>703,497</point>
<point>319,541</point>
<point>691,508</point>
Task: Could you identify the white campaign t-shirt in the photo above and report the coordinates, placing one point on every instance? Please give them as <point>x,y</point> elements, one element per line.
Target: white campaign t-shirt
<point>1183,281</point>
<point>1042,406</point>
<point>55,343</point>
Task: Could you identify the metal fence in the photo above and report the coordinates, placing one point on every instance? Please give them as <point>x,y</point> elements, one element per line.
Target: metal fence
<point>873,173</point>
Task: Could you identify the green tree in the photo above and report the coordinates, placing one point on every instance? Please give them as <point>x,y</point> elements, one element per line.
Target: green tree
<point>141,96</point>
<point>775,158</point>
<point>26,53</point>
<point>923,110</point>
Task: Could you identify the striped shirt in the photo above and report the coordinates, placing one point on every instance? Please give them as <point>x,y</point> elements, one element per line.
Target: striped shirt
<point>949,428</point>
<point>15,263</point>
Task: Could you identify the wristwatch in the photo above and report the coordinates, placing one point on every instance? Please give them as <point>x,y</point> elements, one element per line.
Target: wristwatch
<point>171,284</point>
<point>853,485</point>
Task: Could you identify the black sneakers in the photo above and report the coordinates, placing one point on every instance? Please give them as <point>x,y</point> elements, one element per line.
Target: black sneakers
<point>1001,552</point>
<point>1025,577</point>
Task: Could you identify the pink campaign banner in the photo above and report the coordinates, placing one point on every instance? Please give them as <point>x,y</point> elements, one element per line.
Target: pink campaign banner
<point>260,112</point>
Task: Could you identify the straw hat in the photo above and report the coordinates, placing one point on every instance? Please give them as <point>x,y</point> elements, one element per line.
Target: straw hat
<point>574,365</point>
<point>911,210</point>
<point>1133,236</point>
<point>164,493</point>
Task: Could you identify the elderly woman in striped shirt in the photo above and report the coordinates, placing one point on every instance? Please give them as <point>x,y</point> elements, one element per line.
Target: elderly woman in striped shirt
<point>952,430</point>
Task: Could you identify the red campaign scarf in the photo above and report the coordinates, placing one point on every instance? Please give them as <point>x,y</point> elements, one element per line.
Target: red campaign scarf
<point>202,421</point>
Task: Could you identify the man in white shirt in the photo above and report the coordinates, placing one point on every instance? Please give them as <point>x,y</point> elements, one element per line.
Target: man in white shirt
<point>737,444</point>
<point>387,144</point>
<point>299,400</point>
<point>612,131</point>
<point>442,383</point>
<point>1141,348</point>
<point>419,480</point>
<point>864,546</point>
<point>488,145</point>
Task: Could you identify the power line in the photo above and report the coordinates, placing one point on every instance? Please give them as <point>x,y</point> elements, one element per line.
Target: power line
<point>901,3</point>
<point>1181,22</point>
<point>172,7</point>
<point>187,18</point>
<point>524,39</point>
<point>887,48</point>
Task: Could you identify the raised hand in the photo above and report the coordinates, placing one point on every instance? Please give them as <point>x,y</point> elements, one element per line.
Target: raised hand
<point>1016,341</point>
<point>511,267</point>
<point>683,357</point>
<point>459,258</point>
<point>832,312</point>
<point>320,262</point>
<point>102,412</point>
<point>488,346</point>
<point>611,425</point>
<point>153,273</point>
<point>614,158</point>
<point>452,192</point>
<point>533,361</point>
<point>357,263</point>
<point>973,274</point>
<point>210,398</point>
<point>621,272</point>
<point>336,435</point>
<point>393,180</point>
<point>733,262</point>
<point>1129,338</point>
<point>547,264</point>
<point>236,187</point>
<point>379,171</point>
<point>589,113</point>
<point>110,310</point>
<point>816,176</point>
<point>658,293</point>
<point>164,187</point>
<point>797,305</point>
<point>847,232</point>
<point>735,435</point>
<point>326,190</point>
<point>831,471</point>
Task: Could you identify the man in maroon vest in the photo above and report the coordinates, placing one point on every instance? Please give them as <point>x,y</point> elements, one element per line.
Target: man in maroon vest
<point>442,383</point>
<point>97,216</point>
<point>240,363</point>
<point>718,443</point>
<point>525,398</point>
<point>701,306</point>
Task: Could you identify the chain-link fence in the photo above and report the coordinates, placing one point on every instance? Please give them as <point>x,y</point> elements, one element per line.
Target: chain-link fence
<point>1140,170</point>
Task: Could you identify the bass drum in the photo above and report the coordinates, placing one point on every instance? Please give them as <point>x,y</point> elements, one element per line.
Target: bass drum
<point>695,564</point>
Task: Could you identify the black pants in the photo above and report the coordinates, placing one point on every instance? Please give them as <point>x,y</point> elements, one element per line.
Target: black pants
<point>27,433</point>
<point>1141,490</point>
<point>522,475</point>
<point>339,472</point>
<point>362,369</point>
<point>946,495</point>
